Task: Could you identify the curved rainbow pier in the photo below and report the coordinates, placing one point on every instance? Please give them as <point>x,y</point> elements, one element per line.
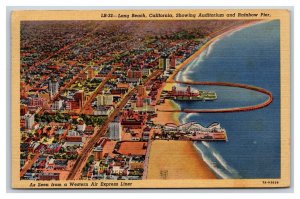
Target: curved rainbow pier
<point>226,110</point>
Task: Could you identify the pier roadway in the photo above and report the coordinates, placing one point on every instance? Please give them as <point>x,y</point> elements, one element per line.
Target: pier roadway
<point>226,110</point>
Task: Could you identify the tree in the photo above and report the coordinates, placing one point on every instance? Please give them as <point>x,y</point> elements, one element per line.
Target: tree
<point>91,159</point>
<point>64,156</point>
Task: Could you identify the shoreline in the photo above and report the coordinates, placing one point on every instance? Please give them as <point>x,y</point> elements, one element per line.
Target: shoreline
<point>205,46</point>
<point>161,116</point>
<point>168,152</point>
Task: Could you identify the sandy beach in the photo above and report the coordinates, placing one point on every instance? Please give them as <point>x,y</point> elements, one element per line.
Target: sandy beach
<point>167,117</point>
<point>176,160</point>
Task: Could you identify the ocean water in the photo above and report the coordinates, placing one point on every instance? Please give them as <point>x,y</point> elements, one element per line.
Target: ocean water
<point>248,56</point>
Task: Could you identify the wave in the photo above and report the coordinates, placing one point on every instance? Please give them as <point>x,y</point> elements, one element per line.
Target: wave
<point>206,144</point>
<point>186,117</point>
<point>234,31</point>
<point>210,47</point>
<point>215,161</point>
<point>225,165</point>
<point>211,164</point>
<point>220,159</point>
<point>190,68</point>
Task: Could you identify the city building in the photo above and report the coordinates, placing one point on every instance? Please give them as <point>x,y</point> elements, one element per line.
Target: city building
<point>79,97</point>
<point>141,90</point>
<point>104,100</point>
<point>139,101</point>
<point>23,90</point>
<point>57,105</point>
<point>173,62</point>
<point>164,63</point>
<point>115,129</point>
<point>29,120</point>
<point>103,110</point>
<point>146,72</point>
<point>134,76</point>
<point>73,133</point>
<point>91,73</point>
<point>48,176</point>
<point>98,153</point>
<point>74,139</point>
<point>36,102</point>
<point>53,87</point>
<point>72,105</point>
<point>23,109</point>
<point>132,123</point>
<point>81,126</point>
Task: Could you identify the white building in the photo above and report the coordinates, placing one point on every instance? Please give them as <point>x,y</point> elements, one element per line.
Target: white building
<point>117,170</point>
<point>164,63</point>
<point>103,110</point>
<point>57,105</point>
<point>29,120</point>
<point>104,100</point>
<point>73,133</point>
<point>81,127</point>
<point>146,72</point>
<point>53,87</point>
<point>145,108</point>
<point>167,66</point>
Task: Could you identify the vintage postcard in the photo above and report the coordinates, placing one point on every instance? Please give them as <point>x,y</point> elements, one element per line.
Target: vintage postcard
<point>150,98</point>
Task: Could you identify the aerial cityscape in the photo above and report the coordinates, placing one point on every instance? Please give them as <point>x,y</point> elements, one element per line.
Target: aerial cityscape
<point>103,100</point>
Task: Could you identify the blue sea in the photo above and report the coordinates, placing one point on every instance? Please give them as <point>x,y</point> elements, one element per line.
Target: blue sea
<point>248,56</point>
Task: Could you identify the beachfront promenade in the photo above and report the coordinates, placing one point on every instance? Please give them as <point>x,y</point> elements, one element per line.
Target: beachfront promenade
<point>226,110</point>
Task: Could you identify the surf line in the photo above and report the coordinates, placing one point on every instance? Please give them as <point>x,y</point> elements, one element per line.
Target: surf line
<point>225,110</point>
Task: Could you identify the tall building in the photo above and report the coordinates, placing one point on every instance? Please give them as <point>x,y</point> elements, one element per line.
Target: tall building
<point>53,87</point>
<point>23,109</point>
<point>81,126</point>
<point>57,105</point>
<point>167,66</point>
<point>91,73</point>
<point>148,100</point>
<point>164,63</point>
<point>139,101</point>
<point>173,62</point>
<point>79,97</point>
<point>115,129</point>
<point>134,75</point>
<point>23,90</point>
<point>161,63</point>
<point>104,100</point>
<point>98,153</point>
<point>141,90</point>
<point>29,120</point>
